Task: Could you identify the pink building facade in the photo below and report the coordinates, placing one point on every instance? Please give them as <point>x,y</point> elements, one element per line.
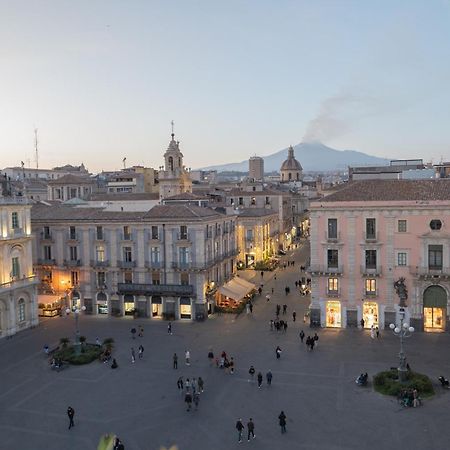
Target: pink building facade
<point>369,235</point>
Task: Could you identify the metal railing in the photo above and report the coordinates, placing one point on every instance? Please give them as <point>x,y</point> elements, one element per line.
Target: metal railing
<point>370,270</point>
<point>155,289</point>
<point>72,262</point>
<point>46,262</point>
<point>325,269</point>
<point>96,263</point>
<point>126,264</point>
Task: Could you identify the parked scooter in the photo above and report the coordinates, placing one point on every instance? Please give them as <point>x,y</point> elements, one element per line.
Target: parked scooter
<point>362,379</point>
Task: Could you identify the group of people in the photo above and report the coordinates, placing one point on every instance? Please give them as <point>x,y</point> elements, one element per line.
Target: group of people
<point>311,341</point>
<point>279,325</point>
<point>259,377</point>
<point>224,362</point>
<point>409,397</point>
<point>251,427</point>
<point>192,390</point>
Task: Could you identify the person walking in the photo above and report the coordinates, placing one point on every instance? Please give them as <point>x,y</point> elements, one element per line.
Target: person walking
<point>282,422</point>
<point>251,307</point>
<point>362,323</point>
<point>269,378</point>
<point>285,326</point>
<point>286,290</point>
<point>175,361</point>
<point>71,414</point>
<point>372,331</point>
<point>231,365</point>
<point>187,384</point>
<point>180,384</point>
<point>315,339</point>
<point>302,336</point>
<point>187,355</point>
<point>188,400</point>
<point>268,297</point>
<point>141,331</point>
<point>260,379</point>
<point>377,331</point>
<point>141,351</point>
<point>169,328</point>
<point>251,429</point>
<point>294,316</point>
<point>133,355</point>
<point>251,372</point>
<point>239,428</point>
<point>97,341</point>
<point>271,325</point>
<point>211,357</point>
<point>196,399</point>
<point>278,310</point>
<point>284,309</point>
<point>194,385</point>
<point>201,384</point>
<point>278,352</point>
<point>262,274</point>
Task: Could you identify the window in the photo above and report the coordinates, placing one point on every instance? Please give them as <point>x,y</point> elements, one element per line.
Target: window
<point>127,276</point>
<point>241,201</point>
<point>154,232</point>
<point>435,257</point>
<point>435,224</point>
<point>332,228</point>
<point>184,278</point>
<point>184,255</point>
<point>253,201</point>
<point>333,258</point>
<point>47,234</point>
<point>231,201</point>
<point>154,254</point>
<point>370,229</point>
<point>333,285</point>
<point>371,259</point>
<point>401,226</point>
<point>21,310</point>
<point>183,232</point>
<point>72,233</point>
<point>371,286</point>
<point>100,253</point>
<point>47,252</point>
<point>74,278</point>
<point>126,233</point>
<point>402,259</point>
<point>15,220</point>
<point>15,267</point>
<point>156,278</point>
<point>249,234</point>
<point>267,200</point>
<point>73,192</point>
<point>127,254</point>
<point>101,279</point>
<point>73,251</point>
<point>99,233</point>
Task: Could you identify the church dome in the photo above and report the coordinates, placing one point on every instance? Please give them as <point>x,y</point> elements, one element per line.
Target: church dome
<point>291,163</point>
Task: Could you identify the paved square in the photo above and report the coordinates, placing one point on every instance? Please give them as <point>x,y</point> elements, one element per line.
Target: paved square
<point>141,404</point>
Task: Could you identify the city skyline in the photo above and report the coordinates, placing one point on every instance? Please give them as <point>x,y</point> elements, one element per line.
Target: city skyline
<point>106,79</point>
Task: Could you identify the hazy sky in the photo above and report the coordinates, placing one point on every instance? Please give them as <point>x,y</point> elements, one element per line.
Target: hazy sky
<point>102,80</point>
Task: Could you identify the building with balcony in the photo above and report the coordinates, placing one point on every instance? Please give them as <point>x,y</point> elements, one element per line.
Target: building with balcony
<point>367,236</point>
<point>18,284</point>
<point>164,262</point>
<point>70,187</point>
<point>257,235</point>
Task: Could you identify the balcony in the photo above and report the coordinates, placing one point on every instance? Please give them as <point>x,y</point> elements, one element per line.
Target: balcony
<point>330,237</point>
<point>95,263</point>
<point>184,237</point>
<point>74,237</point>
<point>371,237</point>
<point>126,264</point>
<point>156,289</point>
<point>188,265</point>
<point>333,293</point>
<point>153,264</point>
<point>154,237</point>
<point>370,294</point>
<point>18,283</point>
<point>18,232</point>
<point>72,262</point>
<point>430,271</point>
<point>46,236</point>
<point>326,270</point>
<point>46,262</point>
<point>370,270</point>
<point>126,237</point>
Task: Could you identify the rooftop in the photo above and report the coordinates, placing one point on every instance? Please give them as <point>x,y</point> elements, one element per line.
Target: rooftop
<point>181,212</point>
<point>255,212</point>
<point>392,190</point>
<point>71,179</point>
<point>125,196</point>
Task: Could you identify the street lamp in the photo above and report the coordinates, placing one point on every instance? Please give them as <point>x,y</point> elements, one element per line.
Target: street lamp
<point>76,312</point>
<point>403,331</point>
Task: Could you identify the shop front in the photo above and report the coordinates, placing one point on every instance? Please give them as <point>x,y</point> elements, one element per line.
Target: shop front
<point>370,314</point>
<point>128,304</point>
<point>185,308</point>
<point>157,309</point>
<point>76,299</point>
<point>102,303</point>
<point>434,308</point>
<point>333,314</point>
<point>249,260</point>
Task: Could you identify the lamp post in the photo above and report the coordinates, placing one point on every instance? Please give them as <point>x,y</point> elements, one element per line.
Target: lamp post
<point>403,331</point>
<point>76,312</point>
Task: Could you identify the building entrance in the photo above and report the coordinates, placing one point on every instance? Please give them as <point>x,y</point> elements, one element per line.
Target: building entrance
<point>333,318</point>
<point>434,308</point>
<point>370,314</point>
<point>157,307</point>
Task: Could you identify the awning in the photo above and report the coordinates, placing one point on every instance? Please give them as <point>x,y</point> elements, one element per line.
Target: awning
<point>48,299</point>
<point>236,288</point>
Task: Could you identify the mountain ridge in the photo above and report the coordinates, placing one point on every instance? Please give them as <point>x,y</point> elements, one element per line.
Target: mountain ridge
<point>313,156</point>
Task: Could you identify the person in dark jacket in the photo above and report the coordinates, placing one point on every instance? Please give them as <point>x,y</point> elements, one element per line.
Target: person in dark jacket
<point>260,379</point>
<point>71,414</point>
<point>282,421</point>
<point>251,429</point>
<point>240,428</point>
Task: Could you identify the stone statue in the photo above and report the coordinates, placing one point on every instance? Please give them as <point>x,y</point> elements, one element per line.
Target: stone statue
<point>401,291</point>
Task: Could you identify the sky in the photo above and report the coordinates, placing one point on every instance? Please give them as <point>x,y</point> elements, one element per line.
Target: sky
<point>103,79</point>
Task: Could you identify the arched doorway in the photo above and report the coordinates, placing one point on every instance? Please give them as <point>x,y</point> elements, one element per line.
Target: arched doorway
<point>434,308</point>
<point>102,303</point>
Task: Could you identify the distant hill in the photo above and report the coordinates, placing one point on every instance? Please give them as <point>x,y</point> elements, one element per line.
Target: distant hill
<point>313,156</point>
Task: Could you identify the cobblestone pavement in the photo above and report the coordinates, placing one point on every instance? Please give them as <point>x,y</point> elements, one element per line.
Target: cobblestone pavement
<point>140,402</point>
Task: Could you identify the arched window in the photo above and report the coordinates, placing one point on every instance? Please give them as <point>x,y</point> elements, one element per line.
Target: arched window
<point>170,163</point>
<point>21,310</point>
<point>298,176</point>
<point>290,176</point>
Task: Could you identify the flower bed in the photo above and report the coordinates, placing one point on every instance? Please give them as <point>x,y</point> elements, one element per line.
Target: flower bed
<point>387,383</point>
<point>88,353</point>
